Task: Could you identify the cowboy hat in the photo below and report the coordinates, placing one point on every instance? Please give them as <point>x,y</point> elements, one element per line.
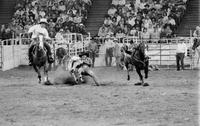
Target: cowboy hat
<point>43,20</point>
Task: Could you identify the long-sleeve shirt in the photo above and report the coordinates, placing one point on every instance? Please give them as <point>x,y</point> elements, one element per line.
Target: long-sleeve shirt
<point>37,29</point>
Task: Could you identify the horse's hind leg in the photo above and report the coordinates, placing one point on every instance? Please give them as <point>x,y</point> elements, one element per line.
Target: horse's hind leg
<point>146,69</point>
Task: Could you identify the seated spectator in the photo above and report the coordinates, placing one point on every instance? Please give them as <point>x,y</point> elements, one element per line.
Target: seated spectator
<point>82,29</point>
<point>102,32</point>
<point>155,35</point>
<point>110,31</point>
<point>115,2</point>
<point>133,31</point>
<point>131,20</point>
<point>196,32</point>
<point>77,19</point>
<point>172,23</point>
<point>145,34</point>
<point>147,22</point>
<point>2,31</point>
<point>137,5</point>
<point>112,11</point>
<point>61,6</point>
<point>121,2</point>
<point>59,36</point>
<point>166,32</point>
<point>42,13</point>
<point>114,23</point>
<point>120,35</point>
<point>7,34</point>
<point>107,21</point>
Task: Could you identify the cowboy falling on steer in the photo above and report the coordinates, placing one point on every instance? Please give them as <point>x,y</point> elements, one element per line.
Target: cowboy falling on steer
<point>78,61</point>
<point>36,30</point>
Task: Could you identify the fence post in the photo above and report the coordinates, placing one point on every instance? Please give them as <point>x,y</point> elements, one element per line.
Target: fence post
<point>160,54</point>
<point>54,51</point>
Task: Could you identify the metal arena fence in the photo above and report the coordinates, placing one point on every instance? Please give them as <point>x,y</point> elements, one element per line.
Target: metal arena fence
<point>13,52</point>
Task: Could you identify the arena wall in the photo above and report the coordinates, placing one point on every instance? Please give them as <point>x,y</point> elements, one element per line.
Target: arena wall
<point>14,54</point>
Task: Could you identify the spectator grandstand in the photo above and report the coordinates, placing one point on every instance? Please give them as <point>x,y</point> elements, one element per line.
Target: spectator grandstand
<point>160,18</point>
<point>129,17</point>
<point>67,14</point>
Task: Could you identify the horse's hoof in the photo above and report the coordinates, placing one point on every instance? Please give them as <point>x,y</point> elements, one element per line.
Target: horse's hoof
<point>138,84</point>
<point>48,83</point>
<point>145,84</point>
<point>39,81</point>
<point>146,77</point>
<point>128,78</point>
<point>97,85</point>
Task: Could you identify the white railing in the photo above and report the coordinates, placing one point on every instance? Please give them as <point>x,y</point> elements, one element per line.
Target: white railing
<point>13,52</point>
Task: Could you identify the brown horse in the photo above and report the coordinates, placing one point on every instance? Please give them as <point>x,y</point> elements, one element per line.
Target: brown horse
<point>136,58</point>
<point>40,59</point>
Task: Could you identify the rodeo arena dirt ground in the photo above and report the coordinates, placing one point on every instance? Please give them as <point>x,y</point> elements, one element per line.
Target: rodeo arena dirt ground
<point>171,99</point>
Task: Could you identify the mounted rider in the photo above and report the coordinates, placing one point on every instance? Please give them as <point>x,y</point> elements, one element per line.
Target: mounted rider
<point>36,30</point>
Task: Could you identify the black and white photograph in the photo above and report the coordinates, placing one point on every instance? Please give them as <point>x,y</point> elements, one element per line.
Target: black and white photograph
<point>99,62</point>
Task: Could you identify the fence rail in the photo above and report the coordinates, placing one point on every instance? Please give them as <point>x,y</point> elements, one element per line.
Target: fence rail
<point>13,52</point>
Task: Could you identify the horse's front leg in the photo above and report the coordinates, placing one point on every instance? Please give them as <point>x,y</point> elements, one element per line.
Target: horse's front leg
<point>45,74</point>
<point>140,75</point>
<point>128,74</point>
<point>91,74</point>
<point>128,71</point>
<point>146,69</point>
<point>37,70</point>
<point>46,77</point>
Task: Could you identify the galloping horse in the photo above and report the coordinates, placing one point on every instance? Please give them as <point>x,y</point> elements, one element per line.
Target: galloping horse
<point>40,59</point>
<point>136,58</point>
<point>82,69</point>
<point>195,48</point>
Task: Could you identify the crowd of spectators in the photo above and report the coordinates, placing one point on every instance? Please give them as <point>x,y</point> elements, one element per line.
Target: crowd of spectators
<point>143,18</point>
<point>67,15</point>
